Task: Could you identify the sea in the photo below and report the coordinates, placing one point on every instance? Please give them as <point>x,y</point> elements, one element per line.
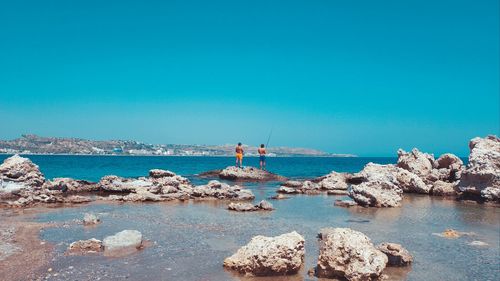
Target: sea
<point>189,240</point>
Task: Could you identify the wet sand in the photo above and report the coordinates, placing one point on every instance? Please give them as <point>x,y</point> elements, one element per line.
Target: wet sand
<point>24,255</point>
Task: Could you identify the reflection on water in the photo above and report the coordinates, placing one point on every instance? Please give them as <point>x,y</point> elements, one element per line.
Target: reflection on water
<point>190,240</point>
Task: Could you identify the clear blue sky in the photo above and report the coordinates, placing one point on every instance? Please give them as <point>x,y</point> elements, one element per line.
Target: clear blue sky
<point>362,77</point>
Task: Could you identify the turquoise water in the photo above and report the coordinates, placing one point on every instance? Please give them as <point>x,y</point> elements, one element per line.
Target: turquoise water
<point>94,167</point>
<point>189,240</point>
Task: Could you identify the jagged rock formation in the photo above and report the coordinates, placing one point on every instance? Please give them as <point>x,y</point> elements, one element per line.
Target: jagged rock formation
<point>21,170</point>
<point>379,186</point>
<point>416,162</point>
<point>482,175</point>
<point>267,256</point>
<point>349,254</point>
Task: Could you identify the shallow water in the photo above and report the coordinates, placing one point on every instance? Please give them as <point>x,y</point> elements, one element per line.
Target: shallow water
<point>189,241</point>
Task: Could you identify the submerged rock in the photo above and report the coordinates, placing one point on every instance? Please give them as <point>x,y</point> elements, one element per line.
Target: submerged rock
<point>451,233</point>
<point>279,197</point>
<point>267,256</point>
<point>248,174</point>
<point>396,254</point>
<point>123,239</point>
<point>482,175</point>
<point>242,207</point>
<point>478,243</point>
<point>349,254</point>
<point>248,207</point>
<point>86,246</point>
<point>90,219</point>
<point>21,170</point>
<point>345,203</point>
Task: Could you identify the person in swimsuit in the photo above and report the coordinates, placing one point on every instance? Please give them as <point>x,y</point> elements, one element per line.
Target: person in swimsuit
<point>239,155</point>
<point>262,156</point>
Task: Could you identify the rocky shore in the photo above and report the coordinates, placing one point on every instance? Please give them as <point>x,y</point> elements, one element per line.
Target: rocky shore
<point>24,185</point>
<point>375,186</point>
<point>415,172</point>
<point>344,253</point>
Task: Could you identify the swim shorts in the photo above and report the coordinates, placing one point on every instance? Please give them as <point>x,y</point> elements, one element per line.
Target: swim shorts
<point>239,156</point>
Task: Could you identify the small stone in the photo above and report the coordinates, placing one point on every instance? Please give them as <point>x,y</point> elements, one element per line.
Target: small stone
<point>397,255</point>
<point>265,205</point>
<point>86,246</point>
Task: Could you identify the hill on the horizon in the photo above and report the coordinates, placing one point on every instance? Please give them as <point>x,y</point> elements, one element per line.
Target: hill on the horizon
<point>33,144</point>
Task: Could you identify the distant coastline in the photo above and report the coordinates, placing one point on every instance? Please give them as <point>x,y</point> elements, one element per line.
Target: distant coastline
<point>147,155</point>
<point>37,145</point>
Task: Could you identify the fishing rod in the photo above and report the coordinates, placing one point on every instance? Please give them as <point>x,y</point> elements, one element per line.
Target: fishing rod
<point>269,137</point>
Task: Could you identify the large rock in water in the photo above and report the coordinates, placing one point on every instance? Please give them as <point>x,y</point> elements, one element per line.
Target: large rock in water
<point>248,174</point>
<point>482,175</point>
<point>416,162</point>
<point>267,256</point>
<point>383,185</point>
<point>123,239</point>
<point>21,170</point>
<point>349,254</point>
<point>376,194</point>
<point>407,181</point>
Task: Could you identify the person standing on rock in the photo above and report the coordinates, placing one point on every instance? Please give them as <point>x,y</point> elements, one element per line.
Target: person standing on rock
<point>262,156</point>
<point>239,155</point>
